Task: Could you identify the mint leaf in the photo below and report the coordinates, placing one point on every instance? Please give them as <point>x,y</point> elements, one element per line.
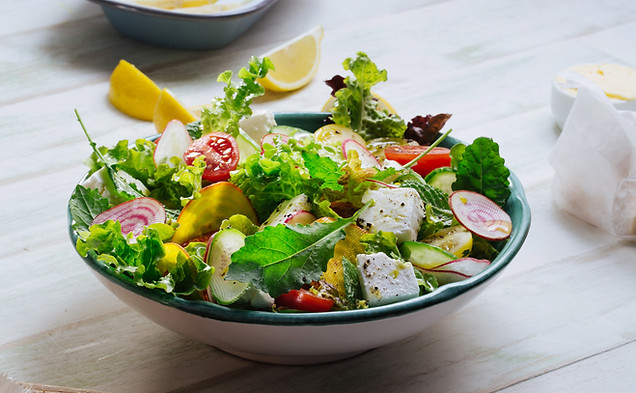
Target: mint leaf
<point>355,106</point>
<point>281,258</point>
<point>482,170</point>
<point>85,204</point>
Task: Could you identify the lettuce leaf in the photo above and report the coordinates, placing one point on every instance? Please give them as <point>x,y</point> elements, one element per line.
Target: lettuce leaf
<point>281,258</point>
<point>225,113</point>
<point>355,106</point>
<point>85,204</point>
<point>136,260</point>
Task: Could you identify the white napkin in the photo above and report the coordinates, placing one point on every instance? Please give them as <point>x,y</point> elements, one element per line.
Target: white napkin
<point>595,162</point>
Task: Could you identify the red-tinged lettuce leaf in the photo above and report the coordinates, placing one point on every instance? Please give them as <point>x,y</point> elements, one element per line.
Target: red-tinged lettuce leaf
<point>281,258</point>
<point>424,129</point>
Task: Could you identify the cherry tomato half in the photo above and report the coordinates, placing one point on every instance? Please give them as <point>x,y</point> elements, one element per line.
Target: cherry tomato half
<point>304,300</point>
<point>436,158</point>
<point>221,155</point>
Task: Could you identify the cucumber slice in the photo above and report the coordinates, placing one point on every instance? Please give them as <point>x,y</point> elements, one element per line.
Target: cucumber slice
<point>219,255</point>
<point>442,178</point>
<point>423,255</point>
<point>294,132</point>
<point>246,147</point>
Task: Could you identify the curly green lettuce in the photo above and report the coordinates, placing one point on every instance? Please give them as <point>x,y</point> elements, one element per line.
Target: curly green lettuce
<point>356,108</point>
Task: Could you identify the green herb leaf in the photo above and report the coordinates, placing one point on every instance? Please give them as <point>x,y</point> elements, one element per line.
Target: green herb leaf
<point>482,170</point>
<point>281,258</point>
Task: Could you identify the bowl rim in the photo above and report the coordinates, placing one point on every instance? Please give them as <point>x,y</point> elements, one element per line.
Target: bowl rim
<point>250,8</point>
<point>517,202</point>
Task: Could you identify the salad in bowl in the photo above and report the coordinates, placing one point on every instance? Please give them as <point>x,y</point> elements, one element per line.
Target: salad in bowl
<point>292,219</point>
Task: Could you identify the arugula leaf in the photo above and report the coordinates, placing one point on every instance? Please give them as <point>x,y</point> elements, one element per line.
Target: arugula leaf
<point>351,280</point>
<point>85,204</point>
<point>482,170</point>
<point>355,106</point>
<point>225,113</point>
<point>281,258</point>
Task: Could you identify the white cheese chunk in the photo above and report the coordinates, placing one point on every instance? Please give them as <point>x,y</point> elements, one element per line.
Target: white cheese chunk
<point>385,280</point>
<point>397,210</point>
<point>258,124</point>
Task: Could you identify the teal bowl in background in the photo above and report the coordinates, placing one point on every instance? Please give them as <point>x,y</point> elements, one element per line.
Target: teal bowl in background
<point>181,30</point>
<point>309,338</point>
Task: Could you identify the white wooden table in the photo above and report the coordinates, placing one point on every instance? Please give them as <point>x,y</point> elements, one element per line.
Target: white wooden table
<point>561,318</point>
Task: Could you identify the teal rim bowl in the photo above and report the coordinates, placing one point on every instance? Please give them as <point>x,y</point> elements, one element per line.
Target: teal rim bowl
<point>517,207</point>
<point>182,30</point>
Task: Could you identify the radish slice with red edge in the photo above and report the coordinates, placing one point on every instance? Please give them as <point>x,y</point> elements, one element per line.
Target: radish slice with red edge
<point>367,159</point>
<point>457,270</point>
<point>480,215</point>
<point>270,139</point>
<point>134,215</point>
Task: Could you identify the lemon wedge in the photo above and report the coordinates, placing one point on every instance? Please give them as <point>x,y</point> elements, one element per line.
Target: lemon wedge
<point>295,62</point>
<point>168,108</point>
<point>132,92</point>
<point>383,104</point>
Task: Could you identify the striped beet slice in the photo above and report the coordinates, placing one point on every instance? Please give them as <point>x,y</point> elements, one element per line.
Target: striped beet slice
<point>134,215</point>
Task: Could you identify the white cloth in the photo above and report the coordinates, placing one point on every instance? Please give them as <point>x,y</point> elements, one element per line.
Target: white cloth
<point>595,163</point>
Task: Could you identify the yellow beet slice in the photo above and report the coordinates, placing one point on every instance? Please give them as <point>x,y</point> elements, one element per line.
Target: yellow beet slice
<point>204,215</point>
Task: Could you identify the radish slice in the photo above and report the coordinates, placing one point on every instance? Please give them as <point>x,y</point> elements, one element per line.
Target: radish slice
<point>134,215</point>
<point>302,217</point>
<point>382,184</point>
<point>367,159</point>
<point>457,270</point>
<point>270,139</point>
<point>480,215</point>
<point>173,142</point>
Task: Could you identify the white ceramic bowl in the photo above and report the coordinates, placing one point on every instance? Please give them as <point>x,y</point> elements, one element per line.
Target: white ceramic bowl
<point>308,338</point>
<point>182,30</point>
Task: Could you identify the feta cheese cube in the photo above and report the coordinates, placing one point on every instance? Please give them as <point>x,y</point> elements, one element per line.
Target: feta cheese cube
<point>397,210</point>
<point>258,124</point>
<point>385,280</point>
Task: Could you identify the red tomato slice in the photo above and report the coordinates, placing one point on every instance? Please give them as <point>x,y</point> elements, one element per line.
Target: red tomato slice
<point>221,155</point>
<point>304,300</point>
<point>436,158</point>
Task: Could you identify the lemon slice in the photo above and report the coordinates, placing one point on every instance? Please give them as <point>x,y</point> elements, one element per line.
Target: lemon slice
<point>168,108</point>
<point>383,104</point>
<point>132,92</point>
<point>335,134</point>
<point>295,62</point>
<point>457,240</point>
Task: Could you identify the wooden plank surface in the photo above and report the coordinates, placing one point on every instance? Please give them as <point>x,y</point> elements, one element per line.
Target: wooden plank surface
<point>561,318</point>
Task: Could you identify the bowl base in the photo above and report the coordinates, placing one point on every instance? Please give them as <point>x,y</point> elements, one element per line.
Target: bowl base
<point>292,360</point>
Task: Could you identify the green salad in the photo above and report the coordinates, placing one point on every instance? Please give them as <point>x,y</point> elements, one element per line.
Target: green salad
<point>236,209</point>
